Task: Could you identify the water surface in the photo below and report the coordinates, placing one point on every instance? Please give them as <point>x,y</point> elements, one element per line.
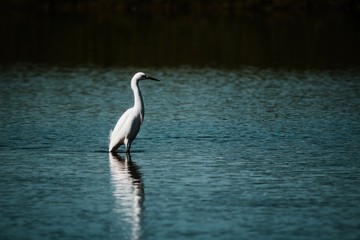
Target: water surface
<point>223,154</point>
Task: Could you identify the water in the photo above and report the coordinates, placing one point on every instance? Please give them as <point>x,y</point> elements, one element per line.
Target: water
<point>223,154</point>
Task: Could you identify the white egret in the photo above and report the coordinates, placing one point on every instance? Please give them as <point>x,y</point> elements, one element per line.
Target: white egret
<point>129,123</point>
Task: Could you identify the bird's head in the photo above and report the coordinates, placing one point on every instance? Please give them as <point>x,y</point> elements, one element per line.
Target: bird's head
<point>142,76</point>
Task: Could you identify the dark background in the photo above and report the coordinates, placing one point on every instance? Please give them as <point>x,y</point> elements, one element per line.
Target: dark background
<point>159,33</point>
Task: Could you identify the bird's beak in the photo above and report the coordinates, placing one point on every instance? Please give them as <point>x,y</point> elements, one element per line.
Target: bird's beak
<point>151,78</point>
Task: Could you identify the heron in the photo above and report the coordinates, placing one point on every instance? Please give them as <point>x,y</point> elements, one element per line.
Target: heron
<point>128,125</point>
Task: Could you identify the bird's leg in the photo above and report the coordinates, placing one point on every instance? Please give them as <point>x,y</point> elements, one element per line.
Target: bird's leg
<point>127,145</point>
<point>128,157</point>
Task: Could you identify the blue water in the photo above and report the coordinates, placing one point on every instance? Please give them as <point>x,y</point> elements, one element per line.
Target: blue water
<point>222,154</point>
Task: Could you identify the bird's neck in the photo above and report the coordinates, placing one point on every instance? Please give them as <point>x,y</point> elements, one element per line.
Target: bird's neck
<point>138,101</point>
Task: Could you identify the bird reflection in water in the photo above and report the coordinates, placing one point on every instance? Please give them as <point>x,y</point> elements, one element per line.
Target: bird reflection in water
<point>128,191</point>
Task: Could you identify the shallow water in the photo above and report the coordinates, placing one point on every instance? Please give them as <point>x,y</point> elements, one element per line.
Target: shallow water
<point>222,154</point>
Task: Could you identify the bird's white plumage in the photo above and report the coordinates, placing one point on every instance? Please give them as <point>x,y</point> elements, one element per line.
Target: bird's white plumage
<point>128,125</point>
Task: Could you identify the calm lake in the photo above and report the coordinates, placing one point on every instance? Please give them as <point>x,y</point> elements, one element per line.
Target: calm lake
<point>251,153</point>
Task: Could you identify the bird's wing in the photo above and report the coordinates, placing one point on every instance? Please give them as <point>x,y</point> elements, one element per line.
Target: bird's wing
<point>116,134</point>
